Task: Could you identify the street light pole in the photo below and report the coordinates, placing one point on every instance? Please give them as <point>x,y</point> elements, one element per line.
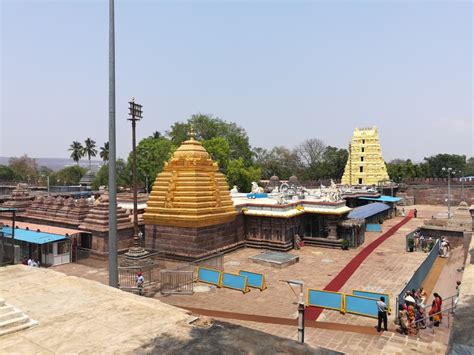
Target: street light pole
<point>301,307</point>
<point>113,267</point>
<point>462,185</point>
<point>135,111</point>
<point>449,170</point>
<point>136,255</point>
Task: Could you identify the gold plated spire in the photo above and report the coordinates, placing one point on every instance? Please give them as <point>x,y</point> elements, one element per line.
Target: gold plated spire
<point>190,192</point>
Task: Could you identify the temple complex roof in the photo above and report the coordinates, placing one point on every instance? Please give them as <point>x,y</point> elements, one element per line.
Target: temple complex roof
<point>20,199</point>
<point>190,192</point>
<point>97,219</point>
<point>58,209</point>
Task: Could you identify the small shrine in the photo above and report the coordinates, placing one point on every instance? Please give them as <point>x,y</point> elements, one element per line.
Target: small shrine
<point>20,199</point>
<point>97,223</point>
<point>190,212</point>
<point>365,164</point>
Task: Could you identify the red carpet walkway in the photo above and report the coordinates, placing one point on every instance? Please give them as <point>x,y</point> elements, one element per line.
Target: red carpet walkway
<point>312,313</point>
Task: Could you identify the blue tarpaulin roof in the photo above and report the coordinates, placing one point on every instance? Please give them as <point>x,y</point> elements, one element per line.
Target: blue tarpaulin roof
<point>32,236</point>
<point>382,198</point>
<point>368,210</point>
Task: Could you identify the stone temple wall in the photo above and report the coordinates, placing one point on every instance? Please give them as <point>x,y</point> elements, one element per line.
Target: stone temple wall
<point>195,242</point>
<point>438,193</point>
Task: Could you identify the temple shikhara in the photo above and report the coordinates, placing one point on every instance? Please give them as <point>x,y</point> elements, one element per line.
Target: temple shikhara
<point>190,210</point>
<point>365,165</point>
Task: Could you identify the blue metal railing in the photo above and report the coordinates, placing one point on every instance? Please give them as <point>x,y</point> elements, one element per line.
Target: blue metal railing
<point>419,275</point>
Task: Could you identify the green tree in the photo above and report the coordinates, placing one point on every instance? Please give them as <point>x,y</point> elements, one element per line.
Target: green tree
<point>77,151</point>
<point>310,155</point>
<point>24,168</point>
<point>104,152</point>
<point>7,174</point>
<point>43,173</point>
<point>241,175</point>
<point>218,148</point>
<point>122,174</point>
<point>469,169</point>
<point>440,161</point>
<point>151,155</point>
<point>90,149</point>
<point>280,161</point>
<point>334,162</point>
<point>70,175</point>
<point>208,127</point>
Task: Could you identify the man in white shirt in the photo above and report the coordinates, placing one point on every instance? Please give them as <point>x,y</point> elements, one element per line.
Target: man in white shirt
<point>382,314</point>
<point>140,280</point>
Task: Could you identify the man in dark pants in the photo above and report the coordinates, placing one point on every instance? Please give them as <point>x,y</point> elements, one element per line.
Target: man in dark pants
<point>382,313</point>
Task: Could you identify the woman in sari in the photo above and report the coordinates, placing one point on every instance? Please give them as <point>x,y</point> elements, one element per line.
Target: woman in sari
<point>439,302</point>
<point>402,317</point>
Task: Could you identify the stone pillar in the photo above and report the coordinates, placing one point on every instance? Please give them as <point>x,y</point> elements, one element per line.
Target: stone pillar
<point>332,228</point>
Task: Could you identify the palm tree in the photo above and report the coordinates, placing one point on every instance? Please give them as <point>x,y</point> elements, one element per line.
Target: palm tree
<point>104,152</point>
<point>77,151</point>
<point>89,149</point>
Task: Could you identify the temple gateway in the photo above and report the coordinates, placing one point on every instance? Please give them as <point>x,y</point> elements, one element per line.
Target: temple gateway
<point>365,164</point>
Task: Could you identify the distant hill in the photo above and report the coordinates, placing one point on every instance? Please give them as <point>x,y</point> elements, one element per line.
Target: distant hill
<point>59,163</point>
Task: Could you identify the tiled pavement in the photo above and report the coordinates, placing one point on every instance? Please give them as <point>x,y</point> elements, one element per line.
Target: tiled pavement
<point>386,269</point>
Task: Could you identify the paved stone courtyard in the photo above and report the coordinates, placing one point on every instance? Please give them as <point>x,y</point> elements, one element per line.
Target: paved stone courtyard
<point>387,269</point>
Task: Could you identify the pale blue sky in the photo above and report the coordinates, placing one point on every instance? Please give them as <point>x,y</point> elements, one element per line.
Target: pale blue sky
<point>285,71</point>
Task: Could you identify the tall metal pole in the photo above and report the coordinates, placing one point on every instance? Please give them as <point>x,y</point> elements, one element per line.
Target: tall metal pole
<point>113,268</point>
<point>47,181</point>
<point>134,182</point>
<point>301,316</point>
<point>449,193</point>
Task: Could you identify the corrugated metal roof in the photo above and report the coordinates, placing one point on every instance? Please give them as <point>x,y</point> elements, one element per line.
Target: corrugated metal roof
<point>32,236</point>
<point>382,198</point>
<point>368,210</point>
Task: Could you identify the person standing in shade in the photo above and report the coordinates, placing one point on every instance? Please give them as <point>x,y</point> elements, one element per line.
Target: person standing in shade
<point>382,314</point>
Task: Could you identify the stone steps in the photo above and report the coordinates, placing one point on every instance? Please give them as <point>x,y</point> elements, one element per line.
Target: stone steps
<point>323,242</point>
<point>13,320</point>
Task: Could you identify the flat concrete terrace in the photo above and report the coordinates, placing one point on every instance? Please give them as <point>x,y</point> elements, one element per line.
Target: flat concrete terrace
<point>76,315</point>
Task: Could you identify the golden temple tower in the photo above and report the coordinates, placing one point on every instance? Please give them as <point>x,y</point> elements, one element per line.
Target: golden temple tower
<point>190,211</point>
<point>365,165</point>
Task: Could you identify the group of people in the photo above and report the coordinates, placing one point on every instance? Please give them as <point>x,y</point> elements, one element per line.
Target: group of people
<point>412,314</point>
<point>421,242</point>
<point>31,262</point>
<point>426,243</point>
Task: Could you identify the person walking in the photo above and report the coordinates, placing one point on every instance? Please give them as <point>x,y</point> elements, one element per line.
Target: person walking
<point>140,280</point>
<point>382,314</point>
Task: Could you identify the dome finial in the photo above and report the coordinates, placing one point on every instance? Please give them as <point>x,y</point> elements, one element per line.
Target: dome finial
<point>192,133</point>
